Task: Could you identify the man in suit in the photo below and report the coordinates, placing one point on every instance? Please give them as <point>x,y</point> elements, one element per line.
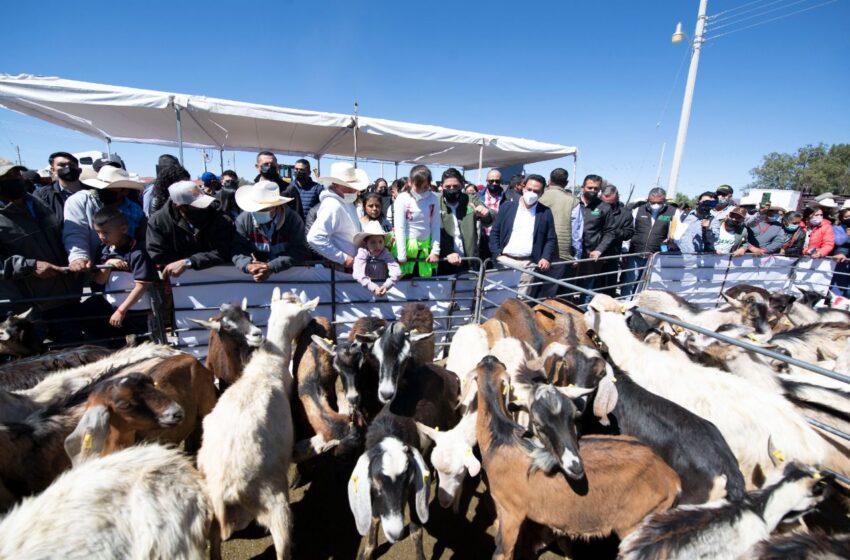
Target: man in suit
<point>524,232</point>
<point>460,216</point>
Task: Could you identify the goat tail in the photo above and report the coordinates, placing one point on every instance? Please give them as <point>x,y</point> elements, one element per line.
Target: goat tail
<point>276,516</point>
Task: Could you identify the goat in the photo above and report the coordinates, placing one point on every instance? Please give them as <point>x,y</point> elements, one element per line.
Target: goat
<point>27,372</point>
<point>248,437</point>
<point>751,310</point>
<point>142,502</point>
<point>746,416</point>
<point>469,345</point>
<point>496,330</point>
<point>232,340</point>
<point>379,483</point>
<point>725,529</point>
<point>564,323</point>
<point>521,323</point>
<point>393,350</point>
<point>18,337</point>
<point>417,318</point>
<point>58,385</point>
<point>623,480</point>
<point>691,445</point>
<point>804,546</point>
<point>452,457</point>
<point>814,341</point>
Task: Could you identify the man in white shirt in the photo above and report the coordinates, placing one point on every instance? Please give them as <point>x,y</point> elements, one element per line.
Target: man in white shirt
<point>524,232</point>
<point>332,234</point>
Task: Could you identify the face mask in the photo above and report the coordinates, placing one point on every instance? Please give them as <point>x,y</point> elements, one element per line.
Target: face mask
<point>590,196</point>
<point>495,190</point>
<point>268,171</point>
<point>261,218</point>
<point>792,227</point>
<point>733,223</point>
<point>69,174</point>
<point>845,223</point>
<point>815,221</point>
<point>12,189</point>
<point>774,219</point>
<point>530,198</point>
<point>108,196</point>
<point>452,195</point>
<point>655,207</point>
<point>349,198</point>
<point>230,185</point>
<point>302,176</point>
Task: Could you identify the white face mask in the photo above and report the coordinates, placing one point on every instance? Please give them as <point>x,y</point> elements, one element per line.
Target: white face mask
<point>349,198</point>
<point>530,198</point>
<point>262,218</point>
<point>815,221</point>
<point>655,207</point>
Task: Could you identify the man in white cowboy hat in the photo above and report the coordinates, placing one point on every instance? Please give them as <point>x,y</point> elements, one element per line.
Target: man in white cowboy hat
<point>269,234</point>
<point>189,232</point>
<point>332,234</point>
<point>108,190</point>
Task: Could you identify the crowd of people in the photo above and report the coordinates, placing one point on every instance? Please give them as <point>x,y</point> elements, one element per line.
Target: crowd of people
<point>102,219</point>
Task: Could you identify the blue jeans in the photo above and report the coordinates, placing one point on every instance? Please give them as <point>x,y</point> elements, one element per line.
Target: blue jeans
<point>632,273</point>
<point>841,280</point>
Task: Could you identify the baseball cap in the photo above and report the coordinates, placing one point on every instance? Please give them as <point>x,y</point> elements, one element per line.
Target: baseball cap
<point>187,192</point>
<point>208,176</point>
<point>725,189</point>
<point>739,212</point>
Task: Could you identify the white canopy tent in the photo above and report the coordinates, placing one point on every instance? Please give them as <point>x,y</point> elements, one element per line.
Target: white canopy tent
<point>122,114</point>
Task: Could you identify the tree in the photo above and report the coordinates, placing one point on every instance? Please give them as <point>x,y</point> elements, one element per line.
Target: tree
<point>815,169</point>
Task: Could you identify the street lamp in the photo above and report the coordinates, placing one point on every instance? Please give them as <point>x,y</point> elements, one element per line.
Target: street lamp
<point>685,116</point>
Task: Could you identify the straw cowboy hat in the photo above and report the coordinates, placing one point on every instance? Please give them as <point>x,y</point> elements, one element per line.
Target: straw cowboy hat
<point>827,203</point>
<point>370,229</point>
<point>343,173</point>
<point>260,196</point>
<point>846,204</point>
<point>114,178</point>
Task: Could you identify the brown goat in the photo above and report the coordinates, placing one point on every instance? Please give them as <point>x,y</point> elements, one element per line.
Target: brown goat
<point>28,372</point>
<point>521,323</point>
<point>496,330</point>
<point>623,482</point>
<point>565,325</point>
<point>232,340</point>
<point>417,317</point>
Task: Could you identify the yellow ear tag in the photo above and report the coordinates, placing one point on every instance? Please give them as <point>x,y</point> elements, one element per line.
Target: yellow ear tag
<point>753,337</point>
<point>436,428</point>
<point>468,451</point>
<point>623,309</point>
<point>787,323</point>
<point>571,386</point>
<point>87,440</point>
<point>426,475</point>
<point>817,476</point>
<point>779,455</point>
<point>156,383</point>
<point>505,390</point>
<point>613,380</point>
<point>329,341</point>
<point>354,479</point>
<point>677,329</point>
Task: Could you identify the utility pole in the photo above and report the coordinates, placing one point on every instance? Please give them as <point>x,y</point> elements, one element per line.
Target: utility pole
<point>18,150</point>
<point>660,165</point>
<point>688,100</point>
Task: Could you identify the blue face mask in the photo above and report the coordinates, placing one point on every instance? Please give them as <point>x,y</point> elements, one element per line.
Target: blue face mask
<point>261,218</point>
<point>792,227</point>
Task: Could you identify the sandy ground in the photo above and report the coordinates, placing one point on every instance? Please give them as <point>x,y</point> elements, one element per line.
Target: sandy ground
<point>324,528</point>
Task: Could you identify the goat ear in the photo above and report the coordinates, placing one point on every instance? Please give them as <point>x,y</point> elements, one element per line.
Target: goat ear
<point>367,338</point>
<point>25,314</point>
<point>428,432</point>
<point>422,484</point>
<point>244,304</point>
<point>471,462</point>
<point>732,301</point>
<point>89,437</point>
<point>417,336</point>
<point>776,455</point>
<point>276,294</point>
<point>324,344</point>
<point>311,305</point>
<point>359,495</point>
<point>210,325</point>
<point>606,396</point>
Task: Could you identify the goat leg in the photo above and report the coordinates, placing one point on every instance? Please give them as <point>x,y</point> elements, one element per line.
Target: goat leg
<point>215,540</point>
<point>371,540</point>
<point>508,533</point>
<point>416,534</point>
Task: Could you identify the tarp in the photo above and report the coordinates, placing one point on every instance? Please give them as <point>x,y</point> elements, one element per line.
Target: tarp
<point>125,114</point>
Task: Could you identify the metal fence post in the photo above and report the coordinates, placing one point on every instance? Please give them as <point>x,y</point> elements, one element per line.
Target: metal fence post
<point>479,291</point>
<point>157,322</point>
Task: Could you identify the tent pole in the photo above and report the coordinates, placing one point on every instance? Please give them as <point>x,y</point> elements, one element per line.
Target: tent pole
<point>109,147</point>
<point>355,135</point>
<point>396,171</point>
<point>179,134</point>
<point>319,164</point>
<point>480,162</point>
<point>575,159</point>
<point>221,159</point>
<point>382,169</point>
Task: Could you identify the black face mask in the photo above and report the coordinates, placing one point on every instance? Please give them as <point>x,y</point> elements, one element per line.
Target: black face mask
<point>452,195</point>
<point>108,196</point>
<point>69,174</point>
<point>268,171</point>
<point>591,196</point>
<point>303,177</point>
<point>194,215</point>
<point>13,189</point>
<point>494,189</point>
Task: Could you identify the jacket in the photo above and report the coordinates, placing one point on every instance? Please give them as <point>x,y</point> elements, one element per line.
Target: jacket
<point>369,270</point>
<point>288,190</point>
<point>416,216</point>
<point>288,243</point>
<point>468,227</point>
<point>649,234</point>
<point>599,231</point>
<point>170,237</point>
<point>769,237</point>
<point>561,203</point>
<point>332,233</point>
<point>545,245</point>
<point>822,238</point>
<point>622,221</point>
<point>54,198</point>
<point>25,239</point>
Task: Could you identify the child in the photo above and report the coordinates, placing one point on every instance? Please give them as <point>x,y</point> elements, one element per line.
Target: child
<point>416,216</point>
<point>373,263</point>
<point>125,254</point>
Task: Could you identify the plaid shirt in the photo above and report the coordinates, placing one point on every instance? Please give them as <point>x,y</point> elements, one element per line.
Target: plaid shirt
<point>492,202</point>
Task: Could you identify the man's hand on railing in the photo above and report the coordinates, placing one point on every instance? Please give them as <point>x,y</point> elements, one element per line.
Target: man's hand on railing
<point>79,265</point>
<point>118,264</point>
<point>174,269</point>
<point>349,262</point>
<point>453,259</point>
<point>433,259</point>
<point>45,269</point>
<point>595,255</point>
<point>840,257</point>
<point>543,265</point>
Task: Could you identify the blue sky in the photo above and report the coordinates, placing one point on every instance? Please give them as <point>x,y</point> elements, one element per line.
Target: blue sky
<point>598,75</point>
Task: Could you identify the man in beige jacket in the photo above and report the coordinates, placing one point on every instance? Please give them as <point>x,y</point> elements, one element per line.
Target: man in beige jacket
<point>568,226</point>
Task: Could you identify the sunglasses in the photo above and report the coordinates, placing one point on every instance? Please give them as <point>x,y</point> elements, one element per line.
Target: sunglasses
<point>494,181</point>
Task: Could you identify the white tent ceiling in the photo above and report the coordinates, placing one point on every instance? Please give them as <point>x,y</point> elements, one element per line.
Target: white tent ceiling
<point>121,114</point>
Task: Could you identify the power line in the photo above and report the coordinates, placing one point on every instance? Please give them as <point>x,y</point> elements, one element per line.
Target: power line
<point>736,8</point>
<point>758,15</point>
<point>716,18</point>
<point>772,19</point>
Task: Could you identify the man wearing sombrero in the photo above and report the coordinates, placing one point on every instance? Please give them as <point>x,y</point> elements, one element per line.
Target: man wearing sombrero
<point>337,222</point>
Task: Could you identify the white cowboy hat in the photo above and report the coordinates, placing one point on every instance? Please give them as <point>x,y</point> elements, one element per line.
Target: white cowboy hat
<point>343,173</point>
<point>114,178</point>
<point>260,196</point>
<point>827,203</point>
<point>370,229</point>
<point>846,204</point>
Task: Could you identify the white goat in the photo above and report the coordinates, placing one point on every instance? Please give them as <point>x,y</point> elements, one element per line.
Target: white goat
<point>143,502</point>
<point>452,457</point>
<point>249,437</point>
<point>469,345</point>
<point>737,310</point>
<point>747,416</point>
<point>15,406</point>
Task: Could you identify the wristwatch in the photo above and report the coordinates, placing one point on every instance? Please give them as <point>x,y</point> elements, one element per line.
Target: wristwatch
<point>188,263</point>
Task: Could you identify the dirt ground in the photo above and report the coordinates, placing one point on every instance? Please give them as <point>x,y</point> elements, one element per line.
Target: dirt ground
<point>323,527</point>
